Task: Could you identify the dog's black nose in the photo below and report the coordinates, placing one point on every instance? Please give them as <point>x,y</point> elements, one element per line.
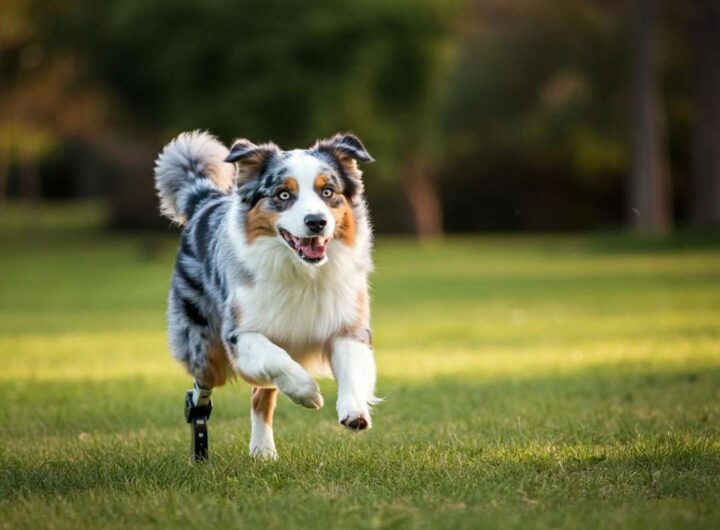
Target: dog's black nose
<point>315,223</point>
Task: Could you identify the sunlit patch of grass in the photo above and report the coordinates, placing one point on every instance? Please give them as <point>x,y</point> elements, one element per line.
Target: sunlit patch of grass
<point>529,383</point>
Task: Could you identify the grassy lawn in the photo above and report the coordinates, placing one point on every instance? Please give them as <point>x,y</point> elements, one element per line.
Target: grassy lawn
<point>529,382</point>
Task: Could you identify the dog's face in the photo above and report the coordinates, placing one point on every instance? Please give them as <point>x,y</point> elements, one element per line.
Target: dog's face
<point>303,198</point>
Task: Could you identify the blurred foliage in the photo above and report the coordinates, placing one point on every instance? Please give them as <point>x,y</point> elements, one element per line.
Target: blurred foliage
<point>546,86</point>
<point>538,116</point>
<point>285,70</point>
<point>520,112</point>
<point>45,96</point>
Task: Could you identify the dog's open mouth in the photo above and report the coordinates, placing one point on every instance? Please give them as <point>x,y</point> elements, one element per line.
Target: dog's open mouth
<point>309,249</point>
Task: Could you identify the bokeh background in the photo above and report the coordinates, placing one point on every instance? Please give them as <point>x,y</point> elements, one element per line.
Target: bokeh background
<point>483,115</point>
<point>546,298</point>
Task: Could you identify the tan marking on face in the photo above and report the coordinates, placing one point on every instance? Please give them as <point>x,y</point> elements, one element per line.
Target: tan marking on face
<point>263,403</point>
<point>259,222</point>
<point>320,182</point>
<point>218,366</point>
<point>345,225</point>
<point>291,184</point>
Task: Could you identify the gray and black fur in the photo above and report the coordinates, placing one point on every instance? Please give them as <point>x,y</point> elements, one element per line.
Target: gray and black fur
<point>198,184</point>
<point>195,186</point>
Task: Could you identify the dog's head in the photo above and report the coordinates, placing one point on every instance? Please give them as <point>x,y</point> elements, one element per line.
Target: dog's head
<point>304,198</point>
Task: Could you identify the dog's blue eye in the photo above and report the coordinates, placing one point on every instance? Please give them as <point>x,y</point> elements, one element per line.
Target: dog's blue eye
<point>283,195</point>
<point>327,192</point>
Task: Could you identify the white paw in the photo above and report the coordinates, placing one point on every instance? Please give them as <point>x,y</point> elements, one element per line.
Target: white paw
<point>300,387</point>
<point>263,452</point>
<point>354,418</point>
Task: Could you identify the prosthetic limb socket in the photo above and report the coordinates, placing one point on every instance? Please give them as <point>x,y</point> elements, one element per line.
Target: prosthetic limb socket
<point>198,407</point>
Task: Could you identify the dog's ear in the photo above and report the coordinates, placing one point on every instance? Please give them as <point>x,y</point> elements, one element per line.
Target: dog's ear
<point>347,150</point>
<point>349,146</point>
<point>250,159</point>
<point>250,162</point>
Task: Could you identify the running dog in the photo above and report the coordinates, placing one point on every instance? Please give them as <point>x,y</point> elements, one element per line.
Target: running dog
<point>271,278</point>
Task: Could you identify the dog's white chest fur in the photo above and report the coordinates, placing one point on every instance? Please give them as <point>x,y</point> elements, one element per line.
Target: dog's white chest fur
<point>297,306</point>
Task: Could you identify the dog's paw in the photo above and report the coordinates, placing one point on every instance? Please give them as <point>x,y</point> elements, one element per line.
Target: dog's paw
<point>355,420</point>
<point>301,388</point>
<point>263,452</point>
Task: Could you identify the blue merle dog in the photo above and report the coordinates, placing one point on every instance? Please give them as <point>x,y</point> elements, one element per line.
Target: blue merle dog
<point>271,279</point>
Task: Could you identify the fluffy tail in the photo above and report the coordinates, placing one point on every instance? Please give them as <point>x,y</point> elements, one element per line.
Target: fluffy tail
<point>190,166</point>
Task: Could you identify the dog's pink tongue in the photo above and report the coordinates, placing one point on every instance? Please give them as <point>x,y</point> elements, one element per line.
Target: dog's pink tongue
<point>314,248</point>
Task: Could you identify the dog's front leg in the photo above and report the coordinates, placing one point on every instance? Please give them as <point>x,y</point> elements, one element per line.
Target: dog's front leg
<point>264,364</point>
<point>353,366</point>
<point>262,442</point>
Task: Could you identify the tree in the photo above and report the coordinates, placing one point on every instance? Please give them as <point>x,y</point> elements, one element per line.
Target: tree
<point>649,191</point>
<point>705,176</point>
<point>537,126</point>
<point>285,70</point>
<point>44,97</point>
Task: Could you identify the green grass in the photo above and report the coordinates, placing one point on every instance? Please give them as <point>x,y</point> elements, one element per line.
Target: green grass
<point>529,382</point>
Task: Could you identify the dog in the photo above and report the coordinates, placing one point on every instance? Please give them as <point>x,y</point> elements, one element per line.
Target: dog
<point>271,278</point>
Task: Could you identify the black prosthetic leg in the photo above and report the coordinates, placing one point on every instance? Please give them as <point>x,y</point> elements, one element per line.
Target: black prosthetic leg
<point>198,407</point>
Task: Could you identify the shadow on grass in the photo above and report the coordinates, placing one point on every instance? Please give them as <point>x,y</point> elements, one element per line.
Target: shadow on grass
<point>124,404</point>
<point>449,435</point>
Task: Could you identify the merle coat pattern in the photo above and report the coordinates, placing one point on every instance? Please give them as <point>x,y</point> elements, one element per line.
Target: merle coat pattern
<point>270,281</point>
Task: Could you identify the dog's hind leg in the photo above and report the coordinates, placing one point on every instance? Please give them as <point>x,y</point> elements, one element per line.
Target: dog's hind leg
<point>198,408</point>
<point>262,443</point>
<point>353,366</point>
<point>191,344</point>
<point>260,362</point>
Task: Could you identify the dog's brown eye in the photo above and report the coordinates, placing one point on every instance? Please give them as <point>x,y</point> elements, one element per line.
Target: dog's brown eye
<point>327,192</point>
<point>283,195</point>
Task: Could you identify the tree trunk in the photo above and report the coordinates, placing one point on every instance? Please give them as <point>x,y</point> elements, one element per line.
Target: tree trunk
<point>132,199</point>
<point>705,178</point>
<point>30,187</point>
<point>649,190</point>
<point>4,177</point>
<point>423,198</point>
